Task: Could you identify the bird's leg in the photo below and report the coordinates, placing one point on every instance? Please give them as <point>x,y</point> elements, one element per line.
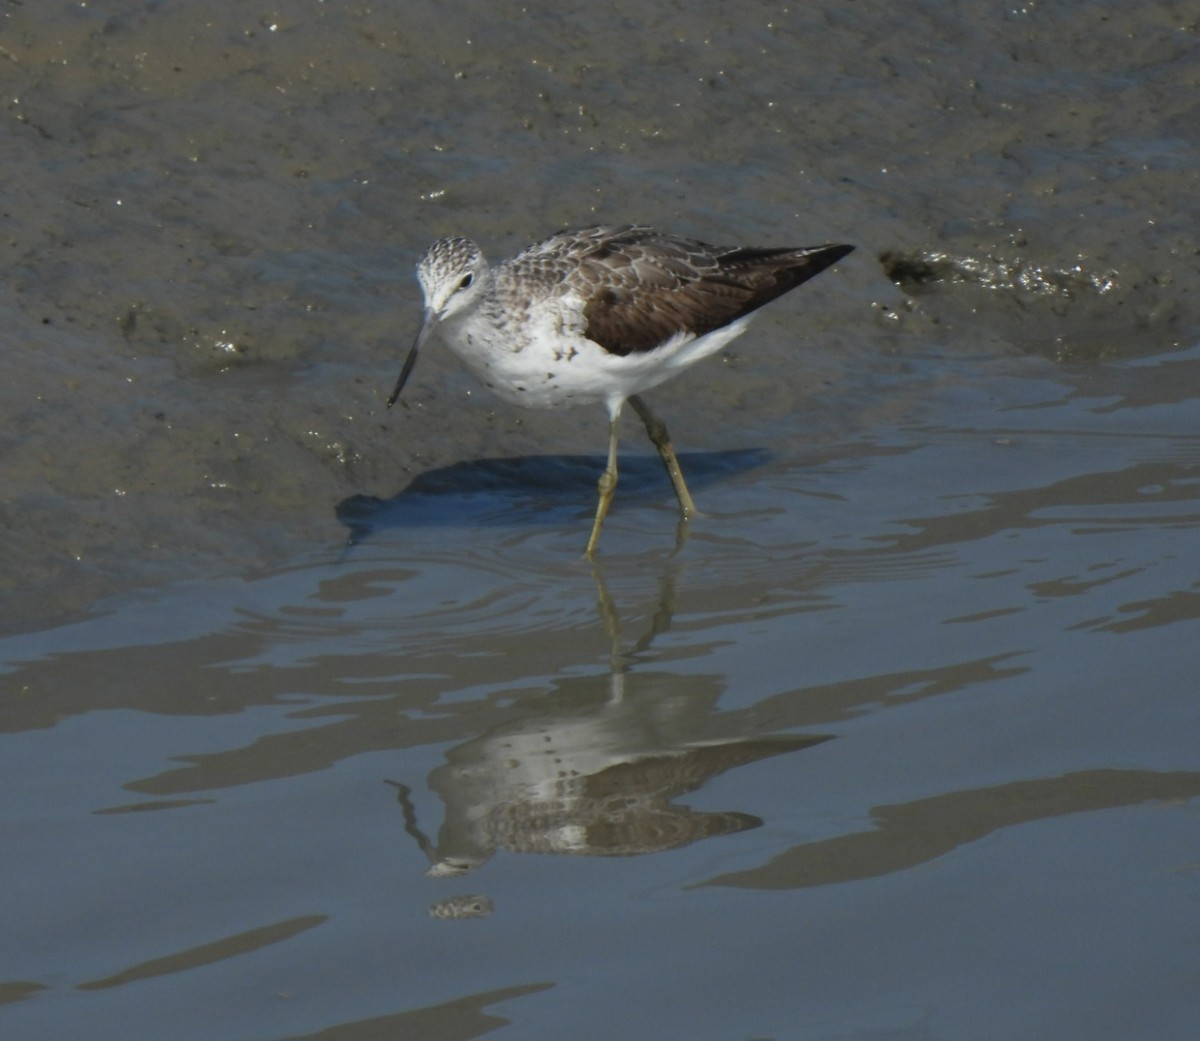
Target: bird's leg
<point>608,481</point>
<point>657,430</point>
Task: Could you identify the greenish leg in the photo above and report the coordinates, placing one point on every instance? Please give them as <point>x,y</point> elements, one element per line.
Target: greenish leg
<point>607,485</point>
<point>657,430</point>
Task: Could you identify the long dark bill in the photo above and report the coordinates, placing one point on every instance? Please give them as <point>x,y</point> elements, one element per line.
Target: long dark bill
<point>411,360</point>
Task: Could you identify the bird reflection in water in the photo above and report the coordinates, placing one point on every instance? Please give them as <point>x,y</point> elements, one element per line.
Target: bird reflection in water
<point>592,768</point>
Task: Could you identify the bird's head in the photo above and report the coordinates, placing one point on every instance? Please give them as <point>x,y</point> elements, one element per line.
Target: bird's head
<point>452,273</point>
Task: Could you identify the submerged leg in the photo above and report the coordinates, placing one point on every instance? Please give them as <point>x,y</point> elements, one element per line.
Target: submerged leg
<point>657,430</point>
<point>608,480</point>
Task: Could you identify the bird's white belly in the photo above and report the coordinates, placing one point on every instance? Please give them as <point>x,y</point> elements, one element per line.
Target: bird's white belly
<point>553,366</point>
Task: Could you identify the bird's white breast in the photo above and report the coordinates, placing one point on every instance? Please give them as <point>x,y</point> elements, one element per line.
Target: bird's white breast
<point>542,359</point>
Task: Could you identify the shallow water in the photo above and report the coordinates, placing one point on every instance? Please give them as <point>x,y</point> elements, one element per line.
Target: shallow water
<point>900,743</point>
<point>314,723</point>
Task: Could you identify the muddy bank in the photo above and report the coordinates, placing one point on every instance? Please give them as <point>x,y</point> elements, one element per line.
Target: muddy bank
<point>209,219</point>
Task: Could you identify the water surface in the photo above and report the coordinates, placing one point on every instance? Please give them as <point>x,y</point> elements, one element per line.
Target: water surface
<point>313,721</point>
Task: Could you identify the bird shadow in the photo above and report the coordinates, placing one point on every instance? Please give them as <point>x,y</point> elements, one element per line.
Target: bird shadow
<point>538,489</point>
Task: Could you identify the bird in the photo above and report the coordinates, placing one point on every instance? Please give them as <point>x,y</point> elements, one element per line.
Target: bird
<point>600,315</point>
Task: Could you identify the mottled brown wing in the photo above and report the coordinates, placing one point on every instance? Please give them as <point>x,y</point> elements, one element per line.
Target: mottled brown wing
<point>643,287</point>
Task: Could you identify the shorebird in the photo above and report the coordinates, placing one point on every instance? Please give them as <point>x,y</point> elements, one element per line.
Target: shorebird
<point>600,315</point>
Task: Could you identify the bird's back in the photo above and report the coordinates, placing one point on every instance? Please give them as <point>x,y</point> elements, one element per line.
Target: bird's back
<point>640,287</point>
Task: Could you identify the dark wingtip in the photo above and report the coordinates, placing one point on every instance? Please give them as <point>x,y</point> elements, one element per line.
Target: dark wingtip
<point>817,258</point>
<point>831,254</point>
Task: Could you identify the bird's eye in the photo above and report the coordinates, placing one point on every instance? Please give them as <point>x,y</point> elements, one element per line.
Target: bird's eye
<point>466,281</point>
